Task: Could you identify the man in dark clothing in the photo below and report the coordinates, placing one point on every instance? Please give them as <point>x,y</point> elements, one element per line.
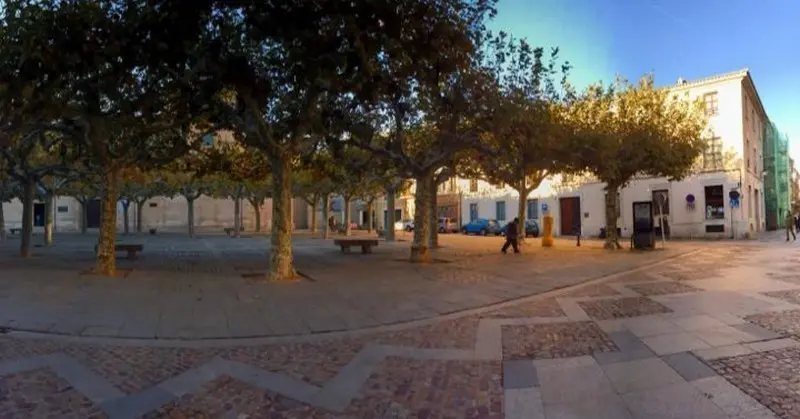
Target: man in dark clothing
<point>511,236</point>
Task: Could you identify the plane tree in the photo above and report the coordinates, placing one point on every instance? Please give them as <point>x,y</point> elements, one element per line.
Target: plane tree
<point>624,130</point>
<point>526,137</point>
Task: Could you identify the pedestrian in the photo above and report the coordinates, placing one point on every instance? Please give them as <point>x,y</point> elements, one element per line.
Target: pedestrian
<point>511,236</point>
<point>797,223</point>
<point>790,226</point>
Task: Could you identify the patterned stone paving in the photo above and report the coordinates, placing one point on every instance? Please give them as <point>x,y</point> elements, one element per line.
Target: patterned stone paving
<point>785,323</point>
<point>42,394</point>
<point>772,378</point>
<point>633,277</point>
<point>226,397</point>
<point>622,307</point>
<point>792,296</point>
<point>592,290</point>
<point>557,340</point>
<point>661,288</point>
<point>678,275</point>
<point>539,308</point>
<point>458,333</point>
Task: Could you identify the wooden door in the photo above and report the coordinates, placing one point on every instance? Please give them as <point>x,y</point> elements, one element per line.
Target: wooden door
<point>570,211</point>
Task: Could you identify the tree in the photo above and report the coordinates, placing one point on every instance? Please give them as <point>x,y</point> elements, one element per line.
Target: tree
<point>314,185</point>
<point>189,177</point>
<point>429,78</point>
<point>526,138</point>
<point>625,130</point>
<point>8,191</point>
<point>29,159</point>
<point>257,192</point>
<point>120,102</point>
<point>52,186</point>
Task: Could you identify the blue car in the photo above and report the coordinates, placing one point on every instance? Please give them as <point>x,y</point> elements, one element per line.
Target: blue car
<point>482,226</point>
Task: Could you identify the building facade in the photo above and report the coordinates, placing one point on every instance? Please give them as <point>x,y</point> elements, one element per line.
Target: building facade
<point>698,206</point>
<point>777,177</point>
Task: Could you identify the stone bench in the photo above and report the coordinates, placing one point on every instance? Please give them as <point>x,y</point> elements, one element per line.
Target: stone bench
<point>365,244</point>
<point>132,249</point>
<point>15,230</point>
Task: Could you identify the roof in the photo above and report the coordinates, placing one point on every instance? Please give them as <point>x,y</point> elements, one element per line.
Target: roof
<point>743,74</point>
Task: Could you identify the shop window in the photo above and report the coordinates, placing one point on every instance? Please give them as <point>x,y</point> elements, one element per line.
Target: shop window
<point>500,208</point>
<point>715,202</point>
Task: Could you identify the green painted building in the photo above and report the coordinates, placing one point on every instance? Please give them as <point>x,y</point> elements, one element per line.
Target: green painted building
<point>777,176</point>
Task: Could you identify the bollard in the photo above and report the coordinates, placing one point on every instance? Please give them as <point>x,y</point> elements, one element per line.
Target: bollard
<point>547,231</point>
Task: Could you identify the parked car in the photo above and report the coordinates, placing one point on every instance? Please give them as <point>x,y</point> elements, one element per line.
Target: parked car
<point>531,228</point>
<point>398,225</point>
<point>482,226</point>
<point>448,225</point>
<point>408,225</point>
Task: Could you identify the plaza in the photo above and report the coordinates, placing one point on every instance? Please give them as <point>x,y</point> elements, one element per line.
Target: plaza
<point>191,330</point>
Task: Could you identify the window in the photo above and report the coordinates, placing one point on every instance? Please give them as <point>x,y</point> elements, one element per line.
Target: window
<point>712,155</point>
<point>750,200</point>
<point>473,212</point>
<point>747,147</point>
<point>533,209</point>
<point>153,204</point>
<point>473,185</point>
<point>711,103</point>
<point>500,210</point>
<point>715,202</point>
<point>63,208</point>
<point>663,195</point>
<point>452,183</point>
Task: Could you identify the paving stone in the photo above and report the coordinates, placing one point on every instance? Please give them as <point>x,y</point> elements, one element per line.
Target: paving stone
<point>697,322</point>
<point>688,366</point>
<point>605,407</point>
<point>557,340</point>
<point>675,401</point>
<point>605,358</point>
<point>758,332</point>
<point>523,403</point>
<point>650,325</point>
<point>725,395</point>
<point>769,345</point>
<point>722,352</point>
<point>573,384</point>
<point>519,373</point>
<point>674,343</point>
<point>640,374</point>
<point>661,288</point>
<point>627,341</point>
<point>723,336</point>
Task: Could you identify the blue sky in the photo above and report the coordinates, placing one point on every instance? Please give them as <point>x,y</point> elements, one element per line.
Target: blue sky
<point>673,38</point>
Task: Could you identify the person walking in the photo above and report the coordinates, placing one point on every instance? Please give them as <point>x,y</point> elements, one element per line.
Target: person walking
<point>511,236</point>
<point>790,226</point>
<point>797,223</point>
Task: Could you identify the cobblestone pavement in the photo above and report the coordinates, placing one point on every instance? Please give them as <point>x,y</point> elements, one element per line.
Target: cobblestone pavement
<point>719,345</point>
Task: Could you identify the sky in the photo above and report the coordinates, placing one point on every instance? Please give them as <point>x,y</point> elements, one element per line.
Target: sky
<point>672,38</point>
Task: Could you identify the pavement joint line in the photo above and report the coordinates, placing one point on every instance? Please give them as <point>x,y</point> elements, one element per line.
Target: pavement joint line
<point>255,341</point>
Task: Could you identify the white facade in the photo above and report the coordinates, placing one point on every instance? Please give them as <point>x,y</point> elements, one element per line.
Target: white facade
<point>734,161</point>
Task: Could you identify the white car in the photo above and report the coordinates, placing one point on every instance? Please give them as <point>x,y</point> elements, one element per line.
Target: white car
<point>408,225</point>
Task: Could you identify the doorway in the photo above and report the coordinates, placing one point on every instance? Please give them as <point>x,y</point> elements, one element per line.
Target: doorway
<point>38,214</point>
<point>93,214</point>
<point>570,211</point>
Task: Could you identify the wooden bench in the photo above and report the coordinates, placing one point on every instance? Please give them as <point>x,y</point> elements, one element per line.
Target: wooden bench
<point>132,249</point>
<point>366,244</point>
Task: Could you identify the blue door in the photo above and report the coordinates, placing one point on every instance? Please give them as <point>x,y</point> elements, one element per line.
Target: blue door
<point>473,212</point>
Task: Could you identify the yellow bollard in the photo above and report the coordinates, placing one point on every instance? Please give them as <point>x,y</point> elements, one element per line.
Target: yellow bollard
<point>547,233</point>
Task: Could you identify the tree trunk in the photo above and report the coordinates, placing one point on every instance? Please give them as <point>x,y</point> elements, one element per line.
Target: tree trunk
<point>326,205</point>
<point>314,217</point>
<point>433,238</point>
<point>49,199</point>
<point>390,203</point>
<point>27,219</point>
<point>190,215</point>
<point>126,205</point>
<point>237,219</point>
<point>280,264</point>
<point>346,220</point>
<point>139,216</point>
<point>256,213</point>
<point>522,214</point>
<point>419,247</point>
<point>612,241</point>
<point>369,217</point>
<point>84,215</point>
<point>2,223</point>
<point>106,254</point>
